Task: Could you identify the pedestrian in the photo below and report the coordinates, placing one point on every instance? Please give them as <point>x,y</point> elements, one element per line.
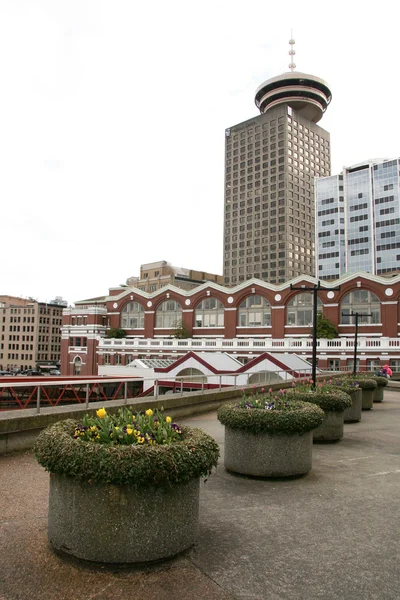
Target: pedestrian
<point>388,371</point>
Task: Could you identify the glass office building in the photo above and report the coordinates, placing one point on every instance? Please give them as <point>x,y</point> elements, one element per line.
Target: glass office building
<point>358,220</point>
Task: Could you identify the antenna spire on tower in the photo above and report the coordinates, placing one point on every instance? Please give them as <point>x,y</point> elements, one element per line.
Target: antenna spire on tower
<point>292,51</point>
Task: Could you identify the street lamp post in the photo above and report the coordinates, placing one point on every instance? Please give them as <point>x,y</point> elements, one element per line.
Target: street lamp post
<point>356,315</point>
<point>315,289</point>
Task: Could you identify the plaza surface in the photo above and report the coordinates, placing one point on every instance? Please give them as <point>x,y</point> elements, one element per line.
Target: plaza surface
<point>332,534</point>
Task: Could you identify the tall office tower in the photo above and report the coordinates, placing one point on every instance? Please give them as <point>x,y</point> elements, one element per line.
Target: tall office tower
<point>358,220</point>
<point>270,165</point>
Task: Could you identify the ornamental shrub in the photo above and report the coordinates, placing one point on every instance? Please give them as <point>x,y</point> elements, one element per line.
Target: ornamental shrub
<point>346,385</point>
<point>333,399</point>
<point>193,455</point>
<point>381,381</point>
<point>365,383</point>
<point>285,418</point>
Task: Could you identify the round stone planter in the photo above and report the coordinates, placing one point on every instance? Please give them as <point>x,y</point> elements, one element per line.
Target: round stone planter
<point>331,428</point>
<point>352,414</point>
<point>267,454</point>
<point>121,524</point>
<point>367,399</point>
<point>378,394</point>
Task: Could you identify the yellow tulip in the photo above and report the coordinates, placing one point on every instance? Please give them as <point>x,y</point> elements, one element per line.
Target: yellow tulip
<point>129,431</point>
<point>101,413</point>
<point>149,412</point>
<point>168,419</point>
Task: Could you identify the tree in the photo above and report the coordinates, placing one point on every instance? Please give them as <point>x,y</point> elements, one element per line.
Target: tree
<point>180,331</point>
<point>116,333</point>
<point>325,329</point>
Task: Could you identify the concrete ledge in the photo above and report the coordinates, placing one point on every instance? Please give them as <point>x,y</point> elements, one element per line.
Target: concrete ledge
<point>19,428</point>
<point>393,385</point>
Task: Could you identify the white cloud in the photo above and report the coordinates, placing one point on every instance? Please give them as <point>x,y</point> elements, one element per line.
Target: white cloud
<point>113,119</point>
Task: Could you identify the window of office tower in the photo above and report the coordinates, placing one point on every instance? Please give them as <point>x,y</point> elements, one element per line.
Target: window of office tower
<point>169,315</point>
<point>299,310</point>
<point>209,313</point>
<point>254,311</point>
<point>365,303</point>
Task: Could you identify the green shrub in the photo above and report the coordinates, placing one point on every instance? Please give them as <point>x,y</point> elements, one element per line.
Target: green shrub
<point>381,381</point>
<point>333,400</point>
<point>345,385</point>
<point>365,383</point>
<point>192,456</point>
<point>299,418</point>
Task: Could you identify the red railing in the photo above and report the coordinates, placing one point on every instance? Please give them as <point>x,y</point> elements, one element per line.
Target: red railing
<point>27,392</point>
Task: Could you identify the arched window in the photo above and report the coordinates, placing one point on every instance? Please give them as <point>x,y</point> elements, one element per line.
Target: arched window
<point>132,316</point>
<point>196,376</point>
<point>169,315</point>
<point>254,311</point>
<point>77,365</point>
<point>264,377</point>
<point>209,313</point>
<point>363,302</point>
<point>299,310</point>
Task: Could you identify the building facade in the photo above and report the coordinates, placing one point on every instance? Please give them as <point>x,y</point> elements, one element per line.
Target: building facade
<point>270,164</point>
<point>250,318</point>
<point>30,333</point>
<point>358,220</point>
<point>156,275</point>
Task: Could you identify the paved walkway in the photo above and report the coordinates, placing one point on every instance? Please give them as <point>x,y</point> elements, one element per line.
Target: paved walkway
<point>331,535</point>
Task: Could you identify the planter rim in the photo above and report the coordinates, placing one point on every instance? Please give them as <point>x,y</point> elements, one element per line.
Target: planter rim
<point>137,465</point>
<point>303,418</point>
<point>334,400</point>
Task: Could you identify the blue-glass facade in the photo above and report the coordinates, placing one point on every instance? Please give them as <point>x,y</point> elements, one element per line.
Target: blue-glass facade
<point>387,216</point>
<point>358,220</point>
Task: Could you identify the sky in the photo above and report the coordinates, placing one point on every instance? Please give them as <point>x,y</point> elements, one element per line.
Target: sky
<point>113,117</point>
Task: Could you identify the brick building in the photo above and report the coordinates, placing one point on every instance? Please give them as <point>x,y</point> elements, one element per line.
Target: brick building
<point>247,319</point>
<point>30,333</point>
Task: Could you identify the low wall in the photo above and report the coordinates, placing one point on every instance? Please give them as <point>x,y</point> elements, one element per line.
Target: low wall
<point>19,428</point>
<point>393,385</point>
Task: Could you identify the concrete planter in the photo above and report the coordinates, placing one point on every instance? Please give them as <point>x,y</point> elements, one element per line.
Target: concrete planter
<point>353,413</point>
<point>331,428</point>
<point>368,399</point>
<point>121,524</point>
<point>378,394</point>
<point>266,454</point>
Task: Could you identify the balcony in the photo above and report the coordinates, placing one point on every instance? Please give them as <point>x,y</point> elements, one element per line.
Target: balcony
<point>250,345</point>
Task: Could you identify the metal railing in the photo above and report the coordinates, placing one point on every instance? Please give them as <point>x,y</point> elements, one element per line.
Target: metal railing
<point>16,394</point>
<point>289,344</point>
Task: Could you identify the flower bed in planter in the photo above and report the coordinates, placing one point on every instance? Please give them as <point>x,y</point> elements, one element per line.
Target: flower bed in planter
<point>333,402</point>
<point>136,475</point>
<point>379,390</point>
<point>267,436</point>
<point>368,386</point>
<point>352,414</point>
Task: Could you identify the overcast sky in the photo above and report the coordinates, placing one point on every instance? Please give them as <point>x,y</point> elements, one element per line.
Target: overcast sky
<point>113,116</point>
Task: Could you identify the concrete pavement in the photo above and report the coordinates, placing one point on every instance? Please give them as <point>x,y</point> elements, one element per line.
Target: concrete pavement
<point>331,535</point>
